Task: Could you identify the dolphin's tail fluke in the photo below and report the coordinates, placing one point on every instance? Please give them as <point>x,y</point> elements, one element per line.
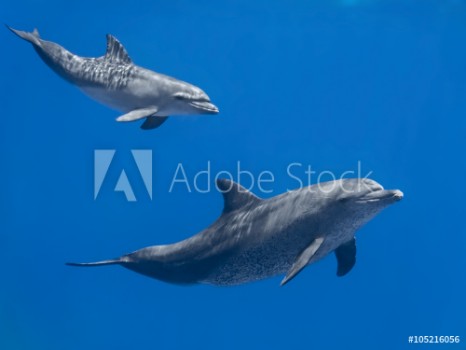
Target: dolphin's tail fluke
<point>97,263</point>
<point>33,37</point>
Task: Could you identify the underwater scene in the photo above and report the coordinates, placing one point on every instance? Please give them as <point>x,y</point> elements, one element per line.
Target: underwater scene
<point>233,174</point>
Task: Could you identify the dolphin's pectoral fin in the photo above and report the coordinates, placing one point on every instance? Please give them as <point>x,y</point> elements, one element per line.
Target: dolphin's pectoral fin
<point>116,52</point>
<point>303,260</point>
<point>346,257</point>
<point>137,114</point>
<point>153,122</point>
<point>234,195</point>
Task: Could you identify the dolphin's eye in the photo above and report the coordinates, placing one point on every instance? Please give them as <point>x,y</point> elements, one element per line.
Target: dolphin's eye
<point>343,199</point>
<point>181,96</point>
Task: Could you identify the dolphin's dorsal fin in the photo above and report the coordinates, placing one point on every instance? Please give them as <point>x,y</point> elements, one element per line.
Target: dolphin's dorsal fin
<point>116,52</point>
<point>235,196</point>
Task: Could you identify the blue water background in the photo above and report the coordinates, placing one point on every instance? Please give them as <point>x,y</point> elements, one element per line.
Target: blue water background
<point>321,83</point>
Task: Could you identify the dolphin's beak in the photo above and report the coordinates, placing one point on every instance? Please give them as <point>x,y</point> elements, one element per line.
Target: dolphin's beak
<point>382,195</point>
<point>398,195</point>
<point>205,106</point>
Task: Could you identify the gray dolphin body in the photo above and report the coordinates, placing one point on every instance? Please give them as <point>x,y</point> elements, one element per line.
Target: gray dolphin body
<point>255,238</point>
<point>116,82</point>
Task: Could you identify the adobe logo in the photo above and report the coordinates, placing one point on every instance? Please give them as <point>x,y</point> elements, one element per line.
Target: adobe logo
<point>102,162</point>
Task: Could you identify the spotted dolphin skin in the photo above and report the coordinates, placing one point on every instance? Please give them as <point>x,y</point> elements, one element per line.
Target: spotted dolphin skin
<point>254,238</point>
<point>116,82</point>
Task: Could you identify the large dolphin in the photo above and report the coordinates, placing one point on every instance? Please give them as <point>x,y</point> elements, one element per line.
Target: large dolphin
<point>255,238</point>
<point>118,83</point>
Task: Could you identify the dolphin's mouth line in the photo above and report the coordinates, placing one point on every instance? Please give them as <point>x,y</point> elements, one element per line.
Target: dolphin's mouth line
<point>205,106</point>
<point>380,195</point>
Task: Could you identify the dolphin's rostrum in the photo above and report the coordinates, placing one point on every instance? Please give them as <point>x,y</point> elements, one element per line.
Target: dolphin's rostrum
<point>116,82</point>
<point>258,238</point>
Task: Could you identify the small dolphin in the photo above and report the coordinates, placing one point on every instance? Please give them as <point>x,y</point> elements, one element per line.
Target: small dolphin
<point>116,82</point>
<point>255,238</point>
